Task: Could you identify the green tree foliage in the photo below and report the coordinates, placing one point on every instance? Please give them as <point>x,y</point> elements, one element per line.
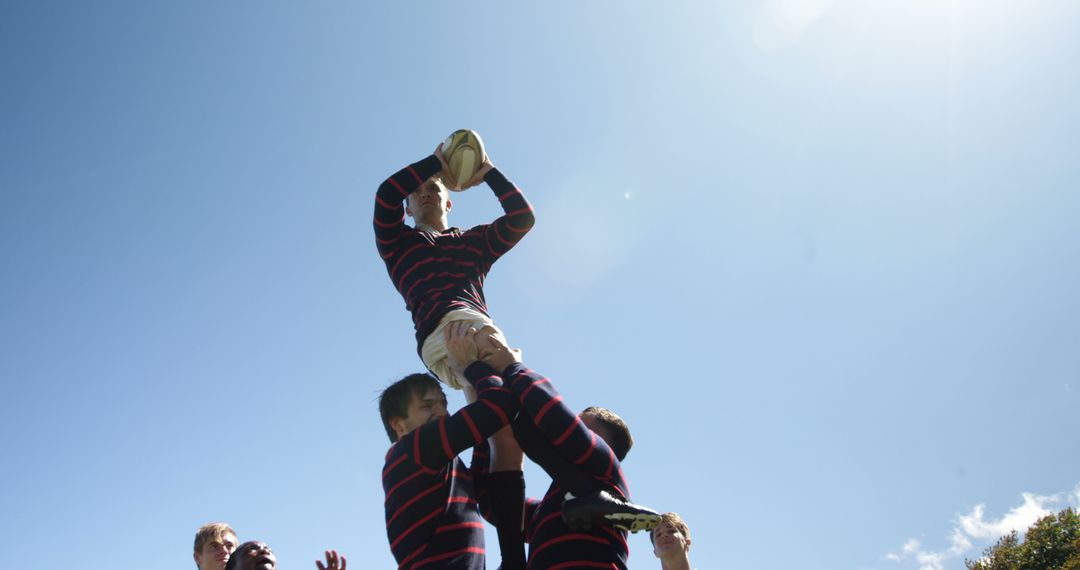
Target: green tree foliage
<point>1052,543</point>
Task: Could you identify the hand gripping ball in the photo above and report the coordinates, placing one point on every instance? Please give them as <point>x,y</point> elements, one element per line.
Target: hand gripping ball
<point>464,154</point>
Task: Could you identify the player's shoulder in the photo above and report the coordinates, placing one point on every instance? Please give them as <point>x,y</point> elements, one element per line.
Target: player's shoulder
<point>475,230</point>
<point>395,452</point>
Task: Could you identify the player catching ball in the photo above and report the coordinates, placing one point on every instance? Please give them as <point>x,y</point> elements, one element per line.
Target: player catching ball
<point>439,269</point>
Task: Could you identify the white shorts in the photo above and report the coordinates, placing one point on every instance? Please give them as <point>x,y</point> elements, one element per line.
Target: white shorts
<point>433,352</point>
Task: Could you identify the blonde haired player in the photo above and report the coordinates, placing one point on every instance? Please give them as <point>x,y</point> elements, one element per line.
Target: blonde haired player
<point>671,542</point>
<point>439,270</point>
<point>214,543</point>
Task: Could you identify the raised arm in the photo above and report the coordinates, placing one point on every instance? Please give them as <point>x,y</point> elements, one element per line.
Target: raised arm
<point>559,424</point>
<point>436,443</point>
<point>554,420</point>
<point>539,449</point>
<point>517,219</point>
<point>389,210</point>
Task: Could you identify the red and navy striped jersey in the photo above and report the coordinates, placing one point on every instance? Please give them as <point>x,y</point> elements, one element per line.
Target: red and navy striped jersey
<point>553,545</point>
<point>439,272</point>
<point>431,511</point>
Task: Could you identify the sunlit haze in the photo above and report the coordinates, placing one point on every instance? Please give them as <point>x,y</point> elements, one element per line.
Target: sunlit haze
<point>822,255</point>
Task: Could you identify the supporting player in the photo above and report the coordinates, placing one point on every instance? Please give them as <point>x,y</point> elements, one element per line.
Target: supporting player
<point>251,555</point>
<point>671,543</point>
<point>214,543</point>
<point>256,555</point>
<point>432,519</point>
<point>571,448</point>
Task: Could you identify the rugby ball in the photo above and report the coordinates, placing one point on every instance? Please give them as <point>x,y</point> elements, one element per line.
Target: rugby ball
<point>464,154</point>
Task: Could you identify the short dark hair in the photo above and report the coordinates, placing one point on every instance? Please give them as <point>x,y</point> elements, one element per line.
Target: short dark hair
<point>234,558</point>
<point>394,400</point>
<point>615,431</point>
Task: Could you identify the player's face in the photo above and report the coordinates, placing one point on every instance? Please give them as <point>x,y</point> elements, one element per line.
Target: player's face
<point>215,552</point>
<point>255,556</point>
<point>429,202</point>
<point>427,408</point>
<point>668,540</point>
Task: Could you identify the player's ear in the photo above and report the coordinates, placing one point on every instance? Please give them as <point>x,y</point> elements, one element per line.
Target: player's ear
<point>398,425</point>
<point>449,204</point>
<point>408,210</point>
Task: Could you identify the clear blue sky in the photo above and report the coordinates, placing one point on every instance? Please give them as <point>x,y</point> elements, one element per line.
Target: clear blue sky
<point>822,256</point>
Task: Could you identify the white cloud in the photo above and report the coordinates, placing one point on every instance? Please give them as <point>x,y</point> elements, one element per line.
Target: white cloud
<point>1018,518</point>
<point>927,560</point>
<point>974,527</point>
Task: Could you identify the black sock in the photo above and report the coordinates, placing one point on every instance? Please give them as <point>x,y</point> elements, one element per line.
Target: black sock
<point>506,491</point>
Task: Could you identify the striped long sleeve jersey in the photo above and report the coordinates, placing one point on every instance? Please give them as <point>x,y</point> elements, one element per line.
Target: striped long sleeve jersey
<point>439,272</point>
<point>553,545</point>
<point>432,519</point>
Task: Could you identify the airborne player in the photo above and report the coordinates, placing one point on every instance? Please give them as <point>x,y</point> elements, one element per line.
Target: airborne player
<point>439,270</point>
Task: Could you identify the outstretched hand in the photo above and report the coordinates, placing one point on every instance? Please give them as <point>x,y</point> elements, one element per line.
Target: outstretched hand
<point>332,560</point>
<point>461,348</point>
